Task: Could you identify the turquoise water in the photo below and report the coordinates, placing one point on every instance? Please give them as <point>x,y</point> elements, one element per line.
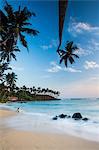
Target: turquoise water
<point>37,116</point>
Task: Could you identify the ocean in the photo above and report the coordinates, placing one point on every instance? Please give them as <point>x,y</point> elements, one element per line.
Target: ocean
<point>37,117</point>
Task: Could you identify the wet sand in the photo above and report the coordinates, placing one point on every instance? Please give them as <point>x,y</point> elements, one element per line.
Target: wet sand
<point>11,139</point>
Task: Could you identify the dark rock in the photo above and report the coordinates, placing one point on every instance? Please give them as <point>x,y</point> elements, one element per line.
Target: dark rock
<point>68,116</point>
<point>77,116</point>
<point>62,116</point>
<point>55,118</point>
<point>85,119</point>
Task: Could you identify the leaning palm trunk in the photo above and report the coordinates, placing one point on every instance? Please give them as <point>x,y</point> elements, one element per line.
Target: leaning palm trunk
<point>62,11</point>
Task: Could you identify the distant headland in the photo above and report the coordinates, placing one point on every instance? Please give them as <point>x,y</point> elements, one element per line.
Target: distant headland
<point>24,94</point>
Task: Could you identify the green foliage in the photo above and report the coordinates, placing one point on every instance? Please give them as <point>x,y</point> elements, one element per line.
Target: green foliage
<point>11,80</point>
<point>13,26</point>
<point>26,94</point>
<point>3,98</point>
<point>3,68</point>
<point>68,54</point>
<point>3,94</point>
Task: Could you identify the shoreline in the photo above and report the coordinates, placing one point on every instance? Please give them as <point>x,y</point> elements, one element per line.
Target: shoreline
<point>39,141</point>
<point>23,140</point>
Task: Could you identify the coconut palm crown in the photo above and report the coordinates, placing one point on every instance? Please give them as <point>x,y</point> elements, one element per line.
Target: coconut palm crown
<point>14,26</point>
<point>3,68</point>
<point>11,80</point>
<point>68,54</point>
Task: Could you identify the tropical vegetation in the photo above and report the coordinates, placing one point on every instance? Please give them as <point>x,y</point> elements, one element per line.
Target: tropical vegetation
<point>14,25</point>
<point>24,93</point>
<point>68,54</point>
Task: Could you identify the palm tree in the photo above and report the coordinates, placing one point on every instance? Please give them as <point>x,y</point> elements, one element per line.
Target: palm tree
<point>17,89</point>
<point>14,27</point>
<point>3,28</point>
<point>67,54</point>
<point>43,90</point>
<point>4,93</point>
<point>8,50</point>
<point>46,91</point>
<point>39,89</point>
<point>19,23</point>
<point>3,68</point>
<point>11,80</point>
<point>58,93</point>
<point>33,89</point>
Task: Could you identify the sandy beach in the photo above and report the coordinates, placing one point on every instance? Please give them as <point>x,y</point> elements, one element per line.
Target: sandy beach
<point>11,139</point>
<point>6,113</point>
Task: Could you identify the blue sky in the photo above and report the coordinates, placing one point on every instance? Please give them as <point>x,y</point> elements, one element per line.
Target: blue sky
<point>40,67</point>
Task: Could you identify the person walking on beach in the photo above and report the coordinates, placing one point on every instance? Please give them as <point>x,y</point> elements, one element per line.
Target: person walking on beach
<point>18,109</point>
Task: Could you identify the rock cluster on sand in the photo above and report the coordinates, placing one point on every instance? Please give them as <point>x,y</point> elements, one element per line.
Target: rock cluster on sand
<point>75,116</point>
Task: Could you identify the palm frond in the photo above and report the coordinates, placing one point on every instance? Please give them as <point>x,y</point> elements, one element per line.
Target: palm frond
<point>26,23</point>
<point>9,10</point>
<point>68,46</point>
<point>8,58</point>
<point>17,49</point>
<point>65,61</point>
<point>71,60</point>
<point>26,14</point>
<point>75,55</point>
<point>13,55</point>
<point>3,18</point>
<point>30,31</point>
<point>61,60</point>
<point>75,47</point>
<point>23,41</point>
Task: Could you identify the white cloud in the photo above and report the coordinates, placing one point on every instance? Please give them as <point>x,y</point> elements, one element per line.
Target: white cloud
<point>69,69</point>
<point>80,27</point>
<point>93,45</point>
<point>52,44</point>
<point>46,47</point>
<point>16,68</point>
<point>56,68</point>
<point>82,51</point>
<point>91,65</point>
